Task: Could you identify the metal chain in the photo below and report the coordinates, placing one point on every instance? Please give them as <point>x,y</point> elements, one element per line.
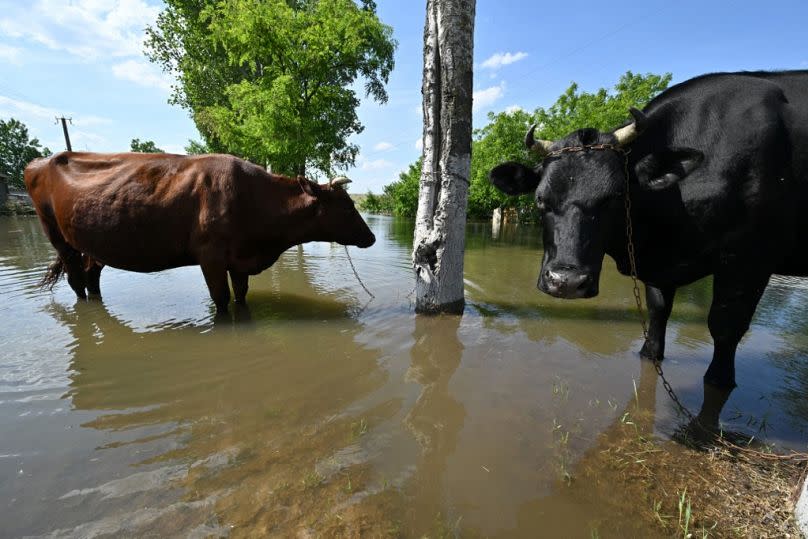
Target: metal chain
<point>794,457</point>
<point>355,273</point>
<point>638,298</point>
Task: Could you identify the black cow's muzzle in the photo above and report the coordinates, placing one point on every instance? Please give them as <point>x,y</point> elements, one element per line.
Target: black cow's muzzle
<point>568,283</point>
<point>367,241</point>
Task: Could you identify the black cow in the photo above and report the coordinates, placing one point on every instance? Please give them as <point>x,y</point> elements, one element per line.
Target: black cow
<point>718,183</point>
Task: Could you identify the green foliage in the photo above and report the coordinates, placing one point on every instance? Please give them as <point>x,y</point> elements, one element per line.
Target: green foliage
<point>403,193</point>
<point>502,140</point>
<point>271,81</point>
<point>145,146</point>
<point>195,147</point>
<point>17,150</point>
<point>376,204</point>
<point>499,141</point>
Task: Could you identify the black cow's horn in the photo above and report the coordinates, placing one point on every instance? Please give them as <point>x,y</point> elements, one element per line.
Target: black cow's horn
<point>541,147</point>
<point>626,134</point>
<point>339,180</point>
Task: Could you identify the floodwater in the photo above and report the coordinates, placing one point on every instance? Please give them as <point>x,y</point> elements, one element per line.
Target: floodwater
<point>331,414</point>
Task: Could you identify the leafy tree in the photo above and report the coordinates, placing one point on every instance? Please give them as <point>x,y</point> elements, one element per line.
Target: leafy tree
<point>502,139</point>
<point>271,81</point>
<point>403,193</point>
<point>195,147</point>
<point>146,146</point>
<point>376,203</point>
<point>17,150</point>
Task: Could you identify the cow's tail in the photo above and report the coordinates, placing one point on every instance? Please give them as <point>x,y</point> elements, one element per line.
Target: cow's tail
<point>53,274</point>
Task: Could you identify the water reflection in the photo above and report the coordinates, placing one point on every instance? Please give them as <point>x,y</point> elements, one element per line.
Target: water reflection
<point>435,419</point>
<point>326,414</point>
<point>246,393</point>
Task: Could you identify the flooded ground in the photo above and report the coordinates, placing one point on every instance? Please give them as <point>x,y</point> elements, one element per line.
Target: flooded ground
<point>327,413</point>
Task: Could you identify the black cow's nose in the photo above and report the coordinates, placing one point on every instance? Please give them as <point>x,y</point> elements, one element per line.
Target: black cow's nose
<point>566,283</point>
<point>367,241</point>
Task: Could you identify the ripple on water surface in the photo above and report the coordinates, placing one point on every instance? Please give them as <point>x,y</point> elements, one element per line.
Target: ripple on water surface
<point>320,405</point>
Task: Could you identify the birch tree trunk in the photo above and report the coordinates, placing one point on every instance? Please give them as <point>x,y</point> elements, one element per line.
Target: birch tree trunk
<point>447,95</point>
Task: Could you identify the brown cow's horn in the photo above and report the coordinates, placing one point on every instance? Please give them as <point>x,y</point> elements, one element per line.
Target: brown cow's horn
<point>541,147</point>
<point>339,180</point>
<point>628,133</point>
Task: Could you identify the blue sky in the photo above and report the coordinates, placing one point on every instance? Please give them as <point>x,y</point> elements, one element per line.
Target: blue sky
<point>83,59</point>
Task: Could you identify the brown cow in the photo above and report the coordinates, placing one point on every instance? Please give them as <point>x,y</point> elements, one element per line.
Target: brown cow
<point>150,212</point>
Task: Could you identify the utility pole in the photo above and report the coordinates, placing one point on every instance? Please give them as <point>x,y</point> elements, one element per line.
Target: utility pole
<point>64,129</point>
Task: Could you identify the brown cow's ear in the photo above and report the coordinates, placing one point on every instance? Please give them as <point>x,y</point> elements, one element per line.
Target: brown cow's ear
<point>308,187</point>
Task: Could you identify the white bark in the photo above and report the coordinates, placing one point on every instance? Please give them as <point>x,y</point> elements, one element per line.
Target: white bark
<point>447,97</point>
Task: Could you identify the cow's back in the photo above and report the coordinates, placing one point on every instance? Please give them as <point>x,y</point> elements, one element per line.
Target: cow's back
<point>140,212</point>
<point>747,198</point>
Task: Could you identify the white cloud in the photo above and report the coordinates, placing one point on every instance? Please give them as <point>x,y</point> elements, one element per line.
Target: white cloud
<point>41,120</point>
<point>419,144</point>
<point>85,140</point>
<point>81,120</point>
<point>89,29</point>
<point>141,73</point>
<point>15,107</point>
<point>487,97</point>
<point>377,164</point>
<point>514,108</point>
<point>25,109</point>
<point>383,146</point>
<point>500,59</point>
<point>10,54</point>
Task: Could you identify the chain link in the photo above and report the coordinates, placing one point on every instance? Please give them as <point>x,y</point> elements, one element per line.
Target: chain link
<point>721,440</point>
<point>355,273</point>
<point>638,298</point>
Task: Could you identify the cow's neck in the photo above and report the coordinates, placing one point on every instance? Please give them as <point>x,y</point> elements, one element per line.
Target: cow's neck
<point>295,222</point>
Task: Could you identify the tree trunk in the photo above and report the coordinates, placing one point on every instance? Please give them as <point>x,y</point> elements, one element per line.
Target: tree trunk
<point>447,95</point>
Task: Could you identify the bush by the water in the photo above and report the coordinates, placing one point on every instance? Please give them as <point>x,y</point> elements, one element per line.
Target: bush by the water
<point>502,140</point>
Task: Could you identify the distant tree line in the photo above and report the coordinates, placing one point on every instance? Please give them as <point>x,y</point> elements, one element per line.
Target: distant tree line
<point>17,149</point>
<point>145,146</point>
<point>502,140</point>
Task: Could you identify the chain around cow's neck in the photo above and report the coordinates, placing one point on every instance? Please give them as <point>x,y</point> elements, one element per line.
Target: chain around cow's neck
<point>637,297</point>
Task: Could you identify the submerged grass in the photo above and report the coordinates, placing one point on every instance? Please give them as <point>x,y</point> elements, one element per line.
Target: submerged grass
<point>686,492</point>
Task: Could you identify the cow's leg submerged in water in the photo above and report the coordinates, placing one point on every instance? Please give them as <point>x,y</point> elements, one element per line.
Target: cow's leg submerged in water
<point>735,297</point>
<point>216,279</point>
<point>92,276</point>
<point>660,303</point>
<point>69,258</point>
<point>75,270</point>
<point>240,283</point>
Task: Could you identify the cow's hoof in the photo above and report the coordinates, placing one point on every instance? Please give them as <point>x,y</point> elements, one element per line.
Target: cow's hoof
<point>699,433</point>
<point>650,352</point>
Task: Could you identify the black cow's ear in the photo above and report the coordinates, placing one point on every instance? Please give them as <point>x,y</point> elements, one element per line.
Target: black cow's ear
<point>667,167</point>
<point>514,178</point>
<point>308,187</point>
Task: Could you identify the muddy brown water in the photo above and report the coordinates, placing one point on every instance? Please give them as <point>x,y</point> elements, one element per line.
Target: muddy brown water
<point>329,413</point>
